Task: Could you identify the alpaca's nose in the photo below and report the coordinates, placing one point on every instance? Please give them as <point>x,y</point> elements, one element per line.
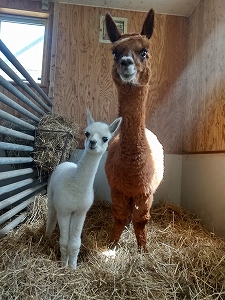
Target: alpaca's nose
<point>126,61</point>
<point>93,143</point>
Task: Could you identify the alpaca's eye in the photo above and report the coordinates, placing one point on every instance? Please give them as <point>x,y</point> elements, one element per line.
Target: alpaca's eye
<point>144,53</point>
<point>87,134</point>
<point>115,54</point>
<point>105,139</point>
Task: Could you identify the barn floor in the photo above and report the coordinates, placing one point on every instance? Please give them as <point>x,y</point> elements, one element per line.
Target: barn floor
<point>184,260</point>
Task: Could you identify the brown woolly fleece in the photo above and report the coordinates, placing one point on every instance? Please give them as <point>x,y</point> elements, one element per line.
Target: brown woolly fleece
<point>135,160</point>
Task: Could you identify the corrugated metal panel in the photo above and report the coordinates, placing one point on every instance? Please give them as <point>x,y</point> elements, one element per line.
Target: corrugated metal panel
<point>20,180</point>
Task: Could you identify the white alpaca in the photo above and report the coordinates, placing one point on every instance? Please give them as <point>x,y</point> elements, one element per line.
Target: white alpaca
<point>70,190</point>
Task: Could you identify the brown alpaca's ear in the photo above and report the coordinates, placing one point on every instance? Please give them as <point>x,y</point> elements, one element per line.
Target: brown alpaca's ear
<point>112,29</point>
<point>148,25</point>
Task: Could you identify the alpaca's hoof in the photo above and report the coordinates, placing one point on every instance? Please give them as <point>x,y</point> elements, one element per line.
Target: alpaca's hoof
<point>73,266</point>
<point>64,264</point>
<point>142,249</point>
<point>114,247</point>
<point>47,236</point>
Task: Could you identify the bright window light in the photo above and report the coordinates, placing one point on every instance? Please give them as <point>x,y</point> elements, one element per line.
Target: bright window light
<point>24,37</point>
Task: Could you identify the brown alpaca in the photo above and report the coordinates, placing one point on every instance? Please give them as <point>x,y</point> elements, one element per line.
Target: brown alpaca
<point>135,161</point>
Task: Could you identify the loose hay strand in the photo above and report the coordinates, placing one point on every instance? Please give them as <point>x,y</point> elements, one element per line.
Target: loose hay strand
<point>184,260</point>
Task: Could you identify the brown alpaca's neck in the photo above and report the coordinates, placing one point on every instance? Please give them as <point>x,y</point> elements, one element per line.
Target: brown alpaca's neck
<point>132,108</point>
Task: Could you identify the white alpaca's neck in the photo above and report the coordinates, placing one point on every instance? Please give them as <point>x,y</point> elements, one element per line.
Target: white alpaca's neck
<point>87,167</point>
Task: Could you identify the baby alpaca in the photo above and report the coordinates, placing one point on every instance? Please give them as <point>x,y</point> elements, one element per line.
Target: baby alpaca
<point>70,190</point>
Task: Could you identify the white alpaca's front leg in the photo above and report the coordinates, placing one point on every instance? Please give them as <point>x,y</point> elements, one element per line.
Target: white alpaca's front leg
<point>76,226</point>
<point>64,225</point>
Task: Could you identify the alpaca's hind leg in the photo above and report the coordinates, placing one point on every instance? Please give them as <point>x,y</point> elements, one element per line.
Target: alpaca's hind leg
<point>51,219</point>
<point>140,218</point>
<point>76,226</point>
<point>64,226</point>
<point>121,213</point>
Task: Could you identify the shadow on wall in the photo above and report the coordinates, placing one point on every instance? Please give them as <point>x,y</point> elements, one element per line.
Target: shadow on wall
<point>203,189</point>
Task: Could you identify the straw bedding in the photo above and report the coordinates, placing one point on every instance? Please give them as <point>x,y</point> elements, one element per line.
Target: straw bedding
<point>184,260</point>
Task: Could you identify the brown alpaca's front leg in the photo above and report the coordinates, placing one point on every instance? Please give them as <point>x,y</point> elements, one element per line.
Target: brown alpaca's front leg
<point>121,213</point>
<point>141,235</point>
<point>117,230</point>
<point>141,216</point>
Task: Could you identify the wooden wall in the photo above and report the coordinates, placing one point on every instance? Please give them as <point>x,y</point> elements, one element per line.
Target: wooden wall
<point>83,70</point>
<point>205,98</point>
<point>186,93</point>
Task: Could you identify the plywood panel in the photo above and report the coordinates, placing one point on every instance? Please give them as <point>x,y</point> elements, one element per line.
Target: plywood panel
<point>83,70</point>
<point>168,85</point>
<point>205,106</point>
<point>83,77</point>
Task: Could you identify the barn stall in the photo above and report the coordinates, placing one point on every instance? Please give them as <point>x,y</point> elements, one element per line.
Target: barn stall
<point>185,110</point>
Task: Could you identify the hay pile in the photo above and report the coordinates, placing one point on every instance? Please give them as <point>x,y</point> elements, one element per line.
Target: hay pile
<point>56,139</point>
<point>184,260</point>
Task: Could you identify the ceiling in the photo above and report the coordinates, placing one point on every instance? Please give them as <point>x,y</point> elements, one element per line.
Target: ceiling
<point>169,7</point>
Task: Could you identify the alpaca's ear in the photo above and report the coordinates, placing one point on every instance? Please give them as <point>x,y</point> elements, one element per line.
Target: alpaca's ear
<point>148,25</point>
<point>90,120</point>
<point>115,125</point>
<point>112,29</point>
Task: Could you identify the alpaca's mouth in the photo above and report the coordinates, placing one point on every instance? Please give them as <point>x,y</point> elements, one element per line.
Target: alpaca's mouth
<point>127,77</point>
<point>92,147</point>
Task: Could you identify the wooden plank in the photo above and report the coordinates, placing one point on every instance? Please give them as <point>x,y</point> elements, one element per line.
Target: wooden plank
<point>205,112</point>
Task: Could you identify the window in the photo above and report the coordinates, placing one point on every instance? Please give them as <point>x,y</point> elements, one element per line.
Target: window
<point>121,24</point>
<point>24,37</point>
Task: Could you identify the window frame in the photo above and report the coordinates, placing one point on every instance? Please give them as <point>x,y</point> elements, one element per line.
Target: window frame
<point>103,36</point>
<point>29,17</point>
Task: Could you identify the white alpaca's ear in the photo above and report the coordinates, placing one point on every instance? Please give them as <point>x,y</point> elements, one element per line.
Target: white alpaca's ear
<point>90,120</point>
<point>115,125</point>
